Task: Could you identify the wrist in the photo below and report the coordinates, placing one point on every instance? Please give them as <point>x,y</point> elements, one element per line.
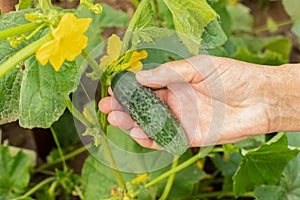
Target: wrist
<point>283,97</point>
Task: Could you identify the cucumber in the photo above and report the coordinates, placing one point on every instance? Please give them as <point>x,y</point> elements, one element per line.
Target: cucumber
<point>150,113</point>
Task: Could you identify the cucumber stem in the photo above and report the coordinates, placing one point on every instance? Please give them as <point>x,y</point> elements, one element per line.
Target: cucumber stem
<point>18,30</point>
<point>202,153</point>
<point>103,124</point>
<point>36,188</point>
<point>132,24</point>
<point>170,181</point>
<point>23,54</point>
<point>61,154</point>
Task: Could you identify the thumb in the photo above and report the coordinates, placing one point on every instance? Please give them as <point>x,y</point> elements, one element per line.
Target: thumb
<point>167,73</point>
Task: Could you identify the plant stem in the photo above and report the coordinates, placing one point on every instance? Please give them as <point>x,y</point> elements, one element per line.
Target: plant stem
<point>219,193</point>
<point>170,181</point>
<point>132,24</point>
<point>92,62</point>
<point>78,114</point>
<point>35,188</point>
<point>266,28</point>
<point>112,163</point>
<point>23,54</point>
<point>135,3</point>
<point>66,157</point>
<point>45,5</point>
<point>204,151</point>
<point>18,30</point>
<point>103,124</point>
<point>61,154</point>
<point>103,116</point>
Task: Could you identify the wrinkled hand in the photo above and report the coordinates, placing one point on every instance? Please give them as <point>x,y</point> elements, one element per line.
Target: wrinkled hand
<point>217,100</point>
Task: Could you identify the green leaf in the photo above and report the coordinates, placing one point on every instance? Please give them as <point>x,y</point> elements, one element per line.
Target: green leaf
<point>213,36</point>
<point>228,164</point>
<point>14,173</point>
<point>67,135</point>
<point>98,179</point>
<point>241,19</point>
<point>269,192</point>
<point>44,92</point>
<point>294,139</point>
<point>292,9</point>
<point>147,194</point>
<point>262,50</point>
<point>291,179</point>
<point>10,92</point>
<point>109,17</point>
<point>10,85</point>
<point>165,15</point>
<point>190,19</point>
<point>263,165</point>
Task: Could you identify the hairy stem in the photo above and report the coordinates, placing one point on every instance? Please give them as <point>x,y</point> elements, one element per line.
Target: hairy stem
<point>266,28</point>
<point>23,54</point>
<point>204,151</point>
<point>18,30</point>
<point>170,181</point>
<point>61,154</point>
<point>103,124</point>
<point>36,188</point>
<point>66,157</point>
<point>132,25</point>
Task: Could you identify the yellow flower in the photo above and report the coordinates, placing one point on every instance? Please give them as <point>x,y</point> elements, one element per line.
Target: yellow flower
<point>114,45</point>
<point>68,41</point>
<point>134,64</point>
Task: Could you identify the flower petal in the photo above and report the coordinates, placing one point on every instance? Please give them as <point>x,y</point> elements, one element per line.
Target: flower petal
<point>44,53</point>
<point>114,45</point>
<point>68,41</point>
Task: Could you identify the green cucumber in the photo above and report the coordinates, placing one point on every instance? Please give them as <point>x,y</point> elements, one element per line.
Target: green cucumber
<point>150,113</point>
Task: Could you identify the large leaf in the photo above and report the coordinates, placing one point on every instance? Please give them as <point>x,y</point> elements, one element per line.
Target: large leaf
<point>10,84</point>
<point>9,96</point>
<point>267,192</point>
<point>262,50</point>
<point>263,165</point>
<point>291,179</point>
<point>289,186</point>
<point>190,19</point>
<point>14,173</point>
<point>44,92</point>
<point>98,179</point>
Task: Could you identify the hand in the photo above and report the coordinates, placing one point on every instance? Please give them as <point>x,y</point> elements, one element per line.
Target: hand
<point>217,100</point>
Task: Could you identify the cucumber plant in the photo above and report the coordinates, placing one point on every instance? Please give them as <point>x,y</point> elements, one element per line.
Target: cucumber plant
<point>25,86</point>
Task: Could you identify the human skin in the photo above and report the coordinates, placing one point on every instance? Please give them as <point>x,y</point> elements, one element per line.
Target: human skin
<point>218,100</point>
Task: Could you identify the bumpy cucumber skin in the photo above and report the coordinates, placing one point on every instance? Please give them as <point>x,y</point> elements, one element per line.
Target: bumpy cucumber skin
<point>150,113</point>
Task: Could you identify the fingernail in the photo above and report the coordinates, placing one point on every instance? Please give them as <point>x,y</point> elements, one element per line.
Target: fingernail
<point>145,74</point>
